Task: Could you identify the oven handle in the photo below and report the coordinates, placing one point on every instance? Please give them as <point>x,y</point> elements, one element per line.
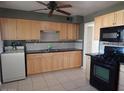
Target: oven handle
<point>104,65</point>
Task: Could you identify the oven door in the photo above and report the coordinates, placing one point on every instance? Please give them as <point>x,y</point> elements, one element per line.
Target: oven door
<point>102,73</point>
<point>103,76</point>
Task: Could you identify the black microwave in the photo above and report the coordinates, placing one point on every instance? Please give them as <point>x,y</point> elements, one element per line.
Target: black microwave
<point>112,34</point>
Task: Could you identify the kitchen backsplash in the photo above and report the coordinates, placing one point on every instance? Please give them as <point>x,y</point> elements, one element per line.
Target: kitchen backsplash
<point>61,45</point>
<point>103,44</point>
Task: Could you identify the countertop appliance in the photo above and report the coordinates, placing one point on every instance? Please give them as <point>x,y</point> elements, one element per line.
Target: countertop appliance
<point>112,34</point>
<point>104,72</point>
<point>13,64</point>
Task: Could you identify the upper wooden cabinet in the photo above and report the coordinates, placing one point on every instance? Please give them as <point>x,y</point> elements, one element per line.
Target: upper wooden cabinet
<point>35,30</point>
<point>108,20</point>
<point>113,19</point>
<point>23,29</point>
<point>98,25</point>
<point>119,17</point>
<point>72,31</point>
<point>20,29</point>
<point>8,29</point>
<point>63,31</point>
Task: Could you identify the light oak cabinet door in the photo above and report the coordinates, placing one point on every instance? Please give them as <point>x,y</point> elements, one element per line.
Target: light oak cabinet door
<point>119,18</point>
<point>54,26</point>
<point>108,20</point>
<point>45,25</point>
<point>8,29</point>
<point>66,62</point>
<point>72,31</point>
<point>50,26</point>
<point>46,62</point>
<point>98,25</point>
<point>72,59</point>
<point>75,59</point>
<point>35,30</point>
<point>33,64</point>
<point>63,31</point>
<point>23,29</point>
<point>57,63</point>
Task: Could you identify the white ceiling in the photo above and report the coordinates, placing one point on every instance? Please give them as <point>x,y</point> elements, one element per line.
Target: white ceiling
<point>78,7</point>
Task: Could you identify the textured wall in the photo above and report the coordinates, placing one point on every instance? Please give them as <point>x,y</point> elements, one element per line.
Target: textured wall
<point>41,46</point>
<point>12,13</point>
<point>112,8</point>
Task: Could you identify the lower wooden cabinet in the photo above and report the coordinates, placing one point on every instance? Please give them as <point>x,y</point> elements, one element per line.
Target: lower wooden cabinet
<point>34,64</point>
<point>44,62</point>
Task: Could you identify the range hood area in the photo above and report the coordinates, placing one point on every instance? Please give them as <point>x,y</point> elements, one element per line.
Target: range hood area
<point>47,35</point>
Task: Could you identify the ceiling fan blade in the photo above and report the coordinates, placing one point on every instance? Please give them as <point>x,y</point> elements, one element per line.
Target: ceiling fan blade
<point>64,6</point>
<point>64,12</point>
<point>41,3</point>
<point>39,9</point>
<point>50,13</point>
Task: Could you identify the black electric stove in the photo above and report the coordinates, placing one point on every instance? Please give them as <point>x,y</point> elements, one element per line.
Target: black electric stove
<point>104,72</point>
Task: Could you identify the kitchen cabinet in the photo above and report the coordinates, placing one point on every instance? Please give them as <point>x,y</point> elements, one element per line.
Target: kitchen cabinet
<point>44,25</point>
<point>55,26</point>
<point>44,62</point>
<point>23,29</point>
<point>57,62</point>
<point>50,26</point>
<point>35,30</point>
<point>119,17</point>
<point>33,64</point>
<point>73,59</point>
<point>66,62</point>
<point>47,62</point>
<point>8,29</point>
<point>77,59</point>
<point>108,20</point>
<point>72,31</point>
<point>113,19</point>
<point>98,25</point>
<point>63,31</point>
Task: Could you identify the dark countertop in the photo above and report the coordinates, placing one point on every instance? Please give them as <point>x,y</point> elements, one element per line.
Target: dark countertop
<point>51,51</point>
<point>93,54</point>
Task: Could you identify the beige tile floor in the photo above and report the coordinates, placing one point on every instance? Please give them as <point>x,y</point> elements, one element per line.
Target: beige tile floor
<point>64,80</point>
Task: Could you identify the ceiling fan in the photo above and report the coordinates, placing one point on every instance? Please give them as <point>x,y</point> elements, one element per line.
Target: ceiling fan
<point>53,6</point>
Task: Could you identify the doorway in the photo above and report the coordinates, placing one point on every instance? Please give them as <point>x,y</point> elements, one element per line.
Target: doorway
<point>88,46</point>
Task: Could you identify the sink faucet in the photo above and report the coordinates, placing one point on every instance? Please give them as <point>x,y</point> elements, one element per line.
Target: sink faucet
<point>50,46</point>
